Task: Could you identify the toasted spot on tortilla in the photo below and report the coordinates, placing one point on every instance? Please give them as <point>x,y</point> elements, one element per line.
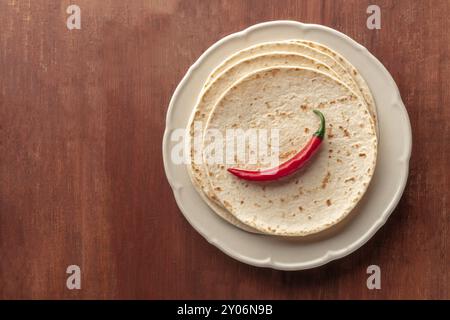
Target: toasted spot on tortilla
<point>328,202</point>
<point>325,180</point>
<point>346,133</point>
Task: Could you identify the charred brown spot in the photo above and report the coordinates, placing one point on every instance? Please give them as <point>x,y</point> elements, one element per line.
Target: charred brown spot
<point>362,155</point>
<point>328,202</point>
<point>326,180</point>
<point>330,132</point>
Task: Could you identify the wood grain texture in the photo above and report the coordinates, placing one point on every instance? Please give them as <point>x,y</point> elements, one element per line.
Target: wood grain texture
<point>82,115</point>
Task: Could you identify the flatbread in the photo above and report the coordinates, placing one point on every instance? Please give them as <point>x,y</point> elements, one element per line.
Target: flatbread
<point>209,98</point>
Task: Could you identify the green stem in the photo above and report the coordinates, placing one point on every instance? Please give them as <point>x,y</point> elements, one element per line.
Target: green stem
<point>321,131</point>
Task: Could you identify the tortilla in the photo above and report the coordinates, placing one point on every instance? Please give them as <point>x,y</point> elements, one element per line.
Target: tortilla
<point>209,98</point>
<point>328,188</point>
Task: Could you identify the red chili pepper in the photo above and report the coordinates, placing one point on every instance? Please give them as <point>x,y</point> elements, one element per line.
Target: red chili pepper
<point>290,166</point>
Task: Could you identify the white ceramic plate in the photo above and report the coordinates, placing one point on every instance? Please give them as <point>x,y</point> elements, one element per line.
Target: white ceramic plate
<point>374,209</point>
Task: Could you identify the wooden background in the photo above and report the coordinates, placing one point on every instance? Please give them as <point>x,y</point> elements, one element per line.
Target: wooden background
<point>82,116</point>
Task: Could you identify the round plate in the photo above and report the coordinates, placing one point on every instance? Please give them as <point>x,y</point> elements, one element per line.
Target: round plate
<point>384,192</point>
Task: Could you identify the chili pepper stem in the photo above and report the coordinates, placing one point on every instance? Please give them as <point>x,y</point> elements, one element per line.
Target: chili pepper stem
<point>321,131</point>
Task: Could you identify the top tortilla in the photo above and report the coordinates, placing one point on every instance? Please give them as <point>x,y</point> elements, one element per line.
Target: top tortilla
<point>328,188</point>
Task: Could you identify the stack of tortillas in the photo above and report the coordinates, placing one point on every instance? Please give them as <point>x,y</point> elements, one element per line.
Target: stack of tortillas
<point>277,85</point>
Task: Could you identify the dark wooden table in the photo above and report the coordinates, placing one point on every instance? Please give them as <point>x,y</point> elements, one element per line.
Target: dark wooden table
<point>82,115</point>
